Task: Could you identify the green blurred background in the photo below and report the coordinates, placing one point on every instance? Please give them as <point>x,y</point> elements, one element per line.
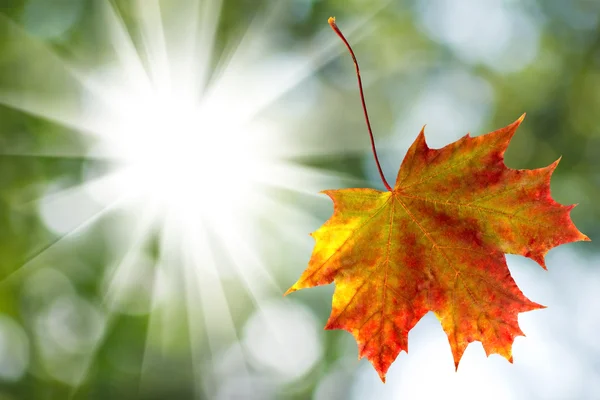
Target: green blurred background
<point>458,66</point>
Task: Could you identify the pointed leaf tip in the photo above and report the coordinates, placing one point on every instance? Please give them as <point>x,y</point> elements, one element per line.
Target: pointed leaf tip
<point>517,123</point>
<point>513,127</point>
<point>290,290</point>
<point>421,138</point>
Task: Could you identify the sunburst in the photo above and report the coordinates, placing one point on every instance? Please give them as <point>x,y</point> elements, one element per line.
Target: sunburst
<point>191,153</point>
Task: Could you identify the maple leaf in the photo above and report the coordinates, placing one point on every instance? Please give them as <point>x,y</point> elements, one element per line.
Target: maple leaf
<point>436,242</point>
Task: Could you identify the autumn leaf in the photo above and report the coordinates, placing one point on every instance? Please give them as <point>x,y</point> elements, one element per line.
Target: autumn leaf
<point>436,242</point>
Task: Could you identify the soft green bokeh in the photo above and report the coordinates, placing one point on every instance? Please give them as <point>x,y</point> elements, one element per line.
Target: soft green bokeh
<point>456,66</point>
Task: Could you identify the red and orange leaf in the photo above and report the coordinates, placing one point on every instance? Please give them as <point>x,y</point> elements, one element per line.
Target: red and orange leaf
<point>437,243</point>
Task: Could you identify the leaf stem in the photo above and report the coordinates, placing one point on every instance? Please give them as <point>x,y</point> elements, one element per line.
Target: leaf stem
<point>335,28</point>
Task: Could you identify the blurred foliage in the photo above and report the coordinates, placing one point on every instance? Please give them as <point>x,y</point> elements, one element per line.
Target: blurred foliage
<point>401,58</point>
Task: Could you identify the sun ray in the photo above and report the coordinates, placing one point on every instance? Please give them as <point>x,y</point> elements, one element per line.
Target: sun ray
<point>291,210</point>
<point>281,80</point>
<point>153,41</point>
<point>111,293</point>
<point>307,180</point>
<point>47,108</point>
<point>29,262</point>
<point>195,330</point>
<point>253,271</point>
<point>155,322</point>
<point>181,33</point>
<point>162,298</point>
<point>124,48</point>
<point>209,22</point>
<point>124,268</point>
<point>247,265</point>
<point>293,214</point>
<point>64,193</point>
<point>45,154</point>
<point>239,51</point>
<point>110,318</point>
<point>25,96</point>
<point>218,322</point>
